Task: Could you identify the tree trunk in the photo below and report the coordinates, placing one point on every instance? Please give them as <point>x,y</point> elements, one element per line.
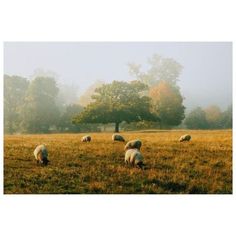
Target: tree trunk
<point>117,127</point>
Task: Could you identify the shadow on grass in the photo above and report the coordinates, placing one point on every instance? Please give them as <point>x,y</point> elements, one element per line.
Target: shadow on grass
<point>169,186</point>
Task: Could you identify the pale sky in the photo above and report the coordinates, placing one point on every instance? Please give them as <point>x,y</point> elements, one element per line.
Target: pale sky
<point>206,78</point>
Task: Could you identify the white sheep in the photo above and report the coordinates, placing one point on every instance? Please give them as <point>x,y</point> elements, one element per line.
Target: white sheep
<point>134,157</point>
<point>41,154</point>
<point>117,137</point>
<point>185,137</point>
<point>133,144</point>
<point>86,138</point>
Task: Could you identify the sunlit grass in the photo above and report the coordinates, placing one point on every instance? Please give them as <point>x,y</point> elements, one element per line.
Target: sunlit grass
<point>203,165</point>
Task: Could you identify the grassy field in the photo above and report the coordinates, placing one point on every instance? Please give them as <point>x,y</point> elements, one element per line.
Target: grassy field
<point>204,165</point>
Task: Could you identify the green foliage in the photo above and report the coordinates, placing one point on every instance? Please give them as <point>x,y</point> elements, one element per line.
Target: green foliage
<point>65,121</point>
<point>14,92</point>
<point>117,102</point>
<point>36,106</point>
<point>209,118</point>
<point>196,119</point>
<point>39,111</point>
<point>227,118</point>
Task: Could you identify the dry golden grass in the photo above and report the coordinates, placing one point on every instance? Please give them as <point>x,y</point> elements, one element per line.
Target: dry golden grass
<point>203,165</point>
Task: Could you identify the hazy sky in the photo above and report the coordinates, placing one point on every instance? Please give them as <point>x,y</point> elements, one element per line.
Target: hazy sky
<point>206,78</point>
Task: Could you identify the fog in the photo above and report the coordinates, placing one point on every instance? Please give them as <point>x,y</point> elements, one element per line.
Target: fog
<point>206,77</point>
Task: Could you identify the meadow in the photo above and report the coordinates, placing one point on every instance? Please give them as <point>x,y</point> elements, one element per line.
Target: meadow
<point>203,165</point>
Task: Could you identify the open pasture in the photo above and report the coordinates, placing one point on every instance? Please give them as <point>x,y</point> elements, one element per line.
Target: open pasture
<point>203,165</point>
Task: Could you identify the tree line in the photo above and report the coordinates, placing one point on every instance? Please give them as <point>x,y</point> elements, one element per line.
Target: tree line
<point>152,100</point>
<point>209,118</point>
<point>37,106</point>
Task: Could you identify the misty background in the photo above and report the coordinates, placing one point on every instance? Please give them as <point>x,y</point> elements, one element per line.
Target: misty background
<point>206,77</point>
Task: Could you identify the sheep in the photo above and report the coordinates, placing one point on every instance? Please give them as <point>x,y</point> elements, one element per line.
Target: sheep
<point>86,138</point>
<point>185,137</point>
<point>117,137</point>
<point>41,154</point>
<point>133,144</point>
<point>134,157</point>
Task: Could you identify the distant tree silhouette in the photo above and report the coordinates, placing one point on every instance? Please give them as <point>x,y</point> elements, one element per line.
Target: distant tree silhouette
<point>167,103</point>
<point>39,111</point>
<point>15,88</point>
<point>196,119</point>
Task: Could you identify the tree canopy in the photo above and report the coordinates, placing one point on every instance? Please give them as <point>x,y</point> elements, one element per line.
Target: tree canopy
<point>167,103</point>
<point>227,118</point>
<point>160,68</point>
<point>117,102</point>
<point>161,78</point>
<point>209,118</point>
<point>39,111</point>
<point>15,88</point>
<point>86,97</point>
<point>65,121</point>
<point>213,117</point>
<point>196,119</point>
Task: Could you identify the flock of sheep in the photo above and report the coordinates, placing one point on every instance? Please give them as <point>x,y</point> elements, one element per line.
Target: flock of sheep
<point>133,156</point>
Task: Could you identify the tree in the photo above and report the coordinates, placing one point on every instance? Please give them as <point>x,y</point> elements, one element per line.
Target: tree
<point>226,118</point>
<point>117,102</point>
<point>196,119</point>
<point>14,92</point>
<point>40,112</point>
<point>167,103</point>
<point>160,68</point>
<point>86,98</point>
<point>162,77</point>
<point>65,122</point>
<point>213,117</point>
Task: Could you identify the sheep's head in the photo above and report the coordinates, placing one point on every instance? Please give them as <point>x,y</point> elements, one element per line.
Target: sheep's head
<point>140,165</point>
<point>45,162</point>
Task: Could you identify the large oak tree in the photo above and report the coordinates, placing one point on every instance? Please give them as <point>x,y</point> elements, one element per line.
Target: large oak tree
<point>117,102</point>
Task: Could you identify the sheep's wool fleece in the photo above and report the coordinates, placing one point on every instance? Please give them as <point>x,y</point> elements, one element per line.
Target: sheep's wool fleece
<point>185,137</point>
<point>133,144</point>
<point>86,139</point>
<point>40,149</point>
<point>133,156</point>
<point>117,137</point>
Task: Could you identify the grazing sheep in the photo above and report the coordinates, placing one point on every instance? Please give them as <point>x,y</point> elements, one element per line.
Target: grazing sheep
<point>134,157</point>
<point>86,138</point>
<point>117,137</point>
<point>133,144</point>
<point>41,154</point>
<point>185,137</point>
